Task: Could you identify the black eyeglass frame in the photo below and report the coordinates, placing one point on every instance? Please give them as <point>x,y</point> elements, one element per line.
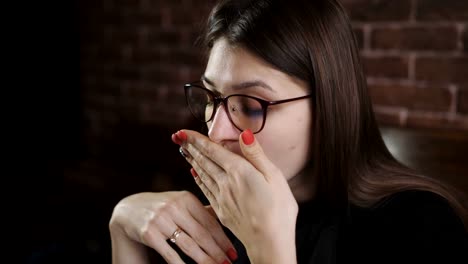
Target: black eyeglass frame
<point>217,100</point>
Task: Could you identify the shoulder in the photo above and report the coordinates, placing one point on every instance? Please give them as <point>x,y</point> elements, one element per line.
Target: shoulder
<point>416,204</point>
<point>415,224</point>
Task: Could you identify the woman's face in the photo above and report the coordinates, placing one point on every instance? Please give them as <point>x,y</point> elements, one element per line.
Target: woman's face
<point>285,137</point>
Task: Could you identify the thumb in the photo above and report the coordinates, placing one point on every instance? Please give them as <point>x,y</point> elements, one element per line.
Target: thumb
<point>253,152</point>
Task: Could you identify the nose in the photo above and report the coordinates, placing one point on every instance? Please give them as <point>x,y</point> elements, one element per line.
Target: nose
<point>221,128</point>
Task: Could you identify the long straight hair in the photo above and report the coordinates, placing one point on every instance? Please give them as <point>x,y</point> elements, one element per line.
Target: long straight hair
<point>314,41</point>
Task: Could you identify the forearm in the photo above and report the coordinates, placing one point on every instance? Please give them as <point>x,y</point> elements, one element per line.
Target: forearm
<point>128,251</point>
<point>274,258</point>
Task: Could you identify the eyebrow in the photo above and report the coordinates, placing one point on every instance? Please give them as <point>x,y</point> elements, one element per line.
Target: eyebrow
<point>243,85</point>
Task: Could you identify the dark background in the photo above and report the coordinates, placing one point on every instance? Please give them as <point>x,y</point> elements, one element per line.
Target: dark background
<point>101,93</point>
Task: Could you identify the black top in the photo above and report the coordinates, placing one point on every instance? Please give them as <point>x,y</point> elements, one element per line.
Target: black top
<point>408,227</point>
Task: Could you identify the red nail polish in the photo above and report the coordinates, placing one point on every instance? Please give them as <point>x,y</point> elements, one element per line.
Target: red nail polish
<point>193,172</point>
<point>176,139</point>
<point>231,253</point>
<point>225,261</point>
<point>181,135</point>
<point>248,137</point>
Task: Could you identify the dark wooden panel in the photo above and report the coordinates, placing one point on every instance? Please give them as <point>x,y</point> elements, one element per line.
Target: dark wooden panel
<point>436,153</point>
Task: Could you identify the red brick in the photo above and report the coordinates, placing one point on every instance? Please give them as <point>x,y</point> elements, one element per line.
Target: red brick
<point>411,97</point>
<point>141,90</point>
<point>127,72</point>
<point>436,121</point>
<point>120,35</point>
<point>415,38</point>
<point>147,55</point>
<point>371,10</point>
<point>391,67</point>
<point>163,75</point>
<point>387,118</point>
<point>452,10</point>
<point>164,36</point>
<point>442,69</point>
<point>463,101</point>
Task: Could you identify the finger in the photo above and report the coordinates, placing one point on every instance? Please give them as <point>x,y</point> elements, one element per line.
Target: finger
<point>211,169</point>
<point>206,216</point>
<point>184,241</point>
<point>156,240</point>
<point>193,250</point>
<point>253,152</point>
<point>201,176</point>
<point>200,235</point>
<point>215,152</point>
<point>206,191</point>
<point>211,211</point>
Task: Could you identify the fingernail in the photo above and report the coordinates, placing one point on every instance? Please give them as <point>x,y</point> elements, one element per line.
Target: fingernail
<point>248,137</point>
<point>176,139</point>
<point>193,172</point>
<point>225,261</point>
<point>231,253</point>
<point>181,135</point>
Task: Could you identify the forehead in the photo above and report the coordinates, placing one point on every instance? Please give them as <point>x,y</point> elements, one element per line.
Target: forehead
<point>227,62</point>
<point>228,65</point>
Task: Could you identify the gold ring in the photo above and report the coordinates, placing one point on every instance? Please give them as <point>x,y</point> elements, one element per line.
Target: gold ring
<point>174,236</point>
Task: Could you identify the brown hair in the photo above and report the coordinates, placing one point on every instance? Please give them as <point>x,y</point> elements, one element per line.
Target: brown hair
<point>314,41</point>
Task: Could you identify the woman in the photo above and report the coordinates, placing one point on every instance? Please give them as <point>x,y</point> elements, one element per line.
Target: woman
<point>294,166</point>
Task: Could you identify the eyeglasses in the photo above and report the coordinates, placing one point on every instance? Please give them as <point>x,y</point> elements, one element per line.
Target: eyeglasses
<point>244,111</point>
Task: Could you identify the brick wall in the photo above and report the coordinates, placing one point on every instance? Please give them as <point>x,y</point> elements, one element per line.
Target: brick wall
<point>416,57</point>
<point>136,54</point>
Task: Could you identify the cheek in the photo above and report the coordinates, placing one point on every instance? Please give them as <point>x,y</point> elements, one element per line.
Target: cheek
<point>287,144</point>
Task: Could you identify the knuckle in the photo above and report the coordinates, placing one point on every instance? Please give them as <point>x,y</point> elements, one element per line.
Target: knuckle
<point>223,189</point>
<point>186,195</point>
<point>197,156</point>
<point>209,181</point>
<point>182,198</point>
<point>146,235</point>
<point>224,219</point>
<point>207,193</point>
<point>153,222</point>
<point>202,176</point>
<point>163,209</point>
<point>205,146</point>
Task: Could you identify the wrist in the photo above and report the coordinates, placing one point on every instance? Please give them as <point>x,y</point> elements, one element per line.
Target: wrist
<point>273,249</point>
<point>274,253</point>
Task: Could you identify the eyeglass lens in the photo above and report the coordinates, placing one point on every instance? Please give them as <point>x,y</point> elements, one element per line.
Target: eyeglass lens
<point>244,112</point>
